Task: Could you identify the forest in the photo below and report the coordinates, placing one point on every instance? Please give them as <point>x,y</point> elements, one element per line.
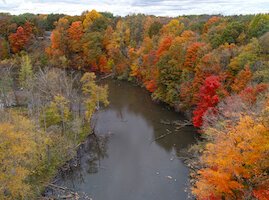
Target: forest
<point>213,68</point>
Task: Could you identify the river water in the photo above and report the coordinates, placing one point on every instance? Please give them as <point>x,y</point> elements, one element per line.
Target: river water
<point>124,162</point>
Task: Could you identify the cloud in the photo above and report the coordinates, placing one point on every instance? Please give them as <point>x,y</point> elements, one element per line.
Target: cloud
<point>125,7</point>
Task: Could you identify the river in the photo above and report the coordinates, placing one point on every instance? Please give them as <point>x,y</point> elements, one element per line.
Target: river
<point>125,162</point>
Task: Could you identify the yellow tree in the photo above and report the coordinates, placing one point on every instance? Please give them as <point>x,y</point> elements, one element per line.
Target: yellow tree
<point>174,27</point>
<point>26,72</point>
<point>94,94</point>
<point>90,17</point>
<point>20,150</point>
<point>57,112</point>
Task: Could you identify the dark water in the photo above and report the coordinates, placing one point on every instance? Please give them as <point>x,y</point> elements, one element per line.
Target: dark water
<point>124,162</point>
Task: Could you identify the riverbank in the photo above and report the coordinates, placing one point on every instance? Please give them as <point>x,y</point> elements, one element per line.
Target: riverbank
<point>54,190</point>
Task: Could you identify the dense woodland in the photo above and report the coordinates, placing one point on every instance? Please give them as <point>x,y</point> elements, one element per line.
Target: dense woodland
<point>214,68</point>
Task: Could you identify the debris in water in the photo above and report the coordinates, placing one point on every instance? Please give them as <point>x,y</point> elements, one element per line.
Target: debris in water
<point>169,177</point>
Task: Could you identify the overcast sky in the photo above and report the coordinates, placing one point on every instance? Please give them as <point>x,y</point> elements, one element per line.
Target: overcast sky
<point>124,7</point>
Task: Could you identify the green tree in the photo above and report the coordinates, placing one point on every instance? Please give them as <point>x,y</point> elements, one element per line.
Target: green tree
<point>4,49</point>
<point>259,25</point>
<point>248,56</point>
<point>154,29</point>
<point>264,43</point>
<point>232,32</point>
<point>92,48</point>
<point>26,72</point>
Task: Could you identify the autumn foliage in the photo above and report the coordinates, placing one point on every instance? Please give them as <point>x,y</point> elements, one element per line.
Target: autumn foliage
<point>193,63</point>
<point>19,40</point>
<point>242,80</point>
<point>75,33</point>
<point>192,54</point>
<point>208,99</point>
<point>235,160</point>
<point>198,66</point>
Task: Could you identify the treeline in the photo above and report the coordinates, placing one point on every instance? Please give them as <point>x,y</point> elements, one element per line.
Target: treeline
<point>20,32</point>
<point>215,67</point>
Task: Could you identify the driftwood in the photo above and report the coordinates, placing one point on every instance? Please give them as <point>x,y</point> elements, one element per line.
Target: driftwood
<point>107,76</point>
<point>70,193</point>
<point>178,124</point>
<point>59,197</point>
<point>181,124</point>
<point>165,122</point>
<point>66,196</point>
<point>162,136</point>
<point>60,188</point>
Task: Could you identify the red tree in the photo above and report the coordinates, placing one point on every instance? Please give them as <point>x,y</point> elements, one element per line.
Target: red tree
<point>151,85</point>
<point>208,99</point>
<point>19,39</point>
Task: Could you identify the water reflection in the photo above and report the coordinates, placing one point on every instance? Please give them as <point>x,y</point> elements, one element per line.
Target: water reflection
<point>124,162</point>
<point>126,99</point>
<point>89,155</point>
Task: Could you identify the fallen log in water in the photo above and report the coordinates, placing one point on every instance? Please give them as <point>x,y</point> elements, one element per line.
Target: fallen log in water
<point>107,76</point>
<point>162,136</point>
<point>61,188</point>
<point>181,124</point>
<point>178,124</point>
<point>68,193</point>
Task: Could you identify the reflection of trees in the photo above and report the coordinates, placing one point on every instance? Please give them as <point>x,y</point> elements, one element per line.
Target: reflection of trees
<point>89,155</point>
<point>126,98</point>
<point>98,151</point>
